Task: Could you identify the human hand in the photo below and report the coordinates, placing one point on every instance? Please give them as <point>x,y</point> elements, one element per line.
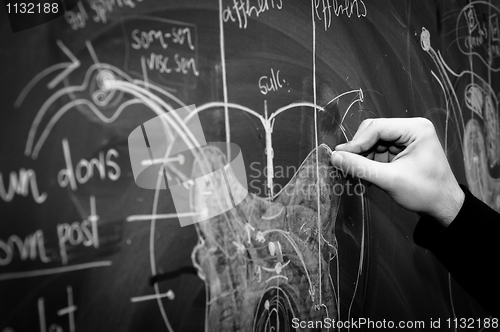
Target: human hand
<point>404,158</point>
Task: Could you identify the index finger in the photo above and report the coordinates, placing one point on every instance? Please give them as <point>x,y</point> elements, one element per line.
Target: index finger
<point>399,132</point>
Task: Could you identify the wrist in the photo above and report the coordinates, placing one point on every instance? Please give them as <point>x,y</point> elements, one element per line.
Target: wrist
<point>450,207</point>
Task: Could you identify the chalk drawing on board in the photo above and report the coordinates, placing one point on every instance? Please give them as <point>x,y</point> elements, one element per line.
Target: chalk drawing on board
<point>105,83</point>
<point>67,66</point>
<point>237,245</point>
<point>259,260</point>
<point>479,137</point>
<point>215,158</point>
<point>290,242</point>
<point>283,246</point>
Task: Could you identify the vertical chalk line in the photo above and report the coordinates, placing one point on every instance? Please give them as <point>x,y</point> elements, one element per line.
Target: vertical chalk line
<point>145,73</point>
<point>317,144</point>
<point>152,260</point>
<point>41,315</point>
<point>408,53</point>
<point>471,63</point>
<point>71,308</point>
<point>224,83</point>
<point>93,209</point>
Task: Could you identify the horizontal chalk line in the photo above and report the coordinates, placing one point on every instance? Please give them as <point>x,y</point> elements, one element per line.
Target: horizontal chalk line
<point>55,270</point>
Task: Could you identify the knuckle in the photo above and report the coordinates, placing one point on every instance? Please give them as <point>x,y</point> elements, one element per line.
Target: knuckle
<point>380,121</point>
<point>426,128</point>
<point>365,123</point>
<point>373,122</point>
<point>426,124</point>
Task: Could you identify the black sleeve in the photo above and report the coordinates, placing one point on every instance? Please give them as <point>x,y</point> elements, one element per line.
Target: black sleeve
<point>468,248</point>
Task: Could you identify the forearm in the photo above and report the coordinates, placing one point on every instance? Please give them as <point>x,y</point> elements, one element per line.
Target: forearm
<point>468,248</point>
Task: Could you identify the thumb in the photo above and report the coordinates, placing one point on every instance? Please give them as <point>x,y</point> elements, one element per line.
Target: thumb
<point>361,167</point>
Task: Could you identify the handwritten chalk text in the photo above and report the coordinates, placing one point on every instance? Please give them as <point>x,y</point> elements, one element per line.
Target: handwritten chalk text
<point>20,184</point>
<point>158,40</point>
<point>271,83</point>
<point>77,19</point>
<point>77,233</point>
<point>68,310</point>
<point>182,65</point>
<point>143,39</point>
<point>102,8</point>
<point>325,10</point>
<point>32,247</point>
<point>242,10</point>
<point>84,169</point>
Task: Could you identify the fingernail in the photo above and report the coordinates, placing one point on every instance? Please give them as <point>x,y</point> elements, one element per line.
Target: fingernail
<point>336,159</point>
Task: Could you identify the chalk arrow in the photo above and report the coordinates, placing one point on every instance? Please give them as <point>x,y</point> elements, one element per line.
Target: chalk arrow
<point>67,66</point>
<point>70,66</point>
